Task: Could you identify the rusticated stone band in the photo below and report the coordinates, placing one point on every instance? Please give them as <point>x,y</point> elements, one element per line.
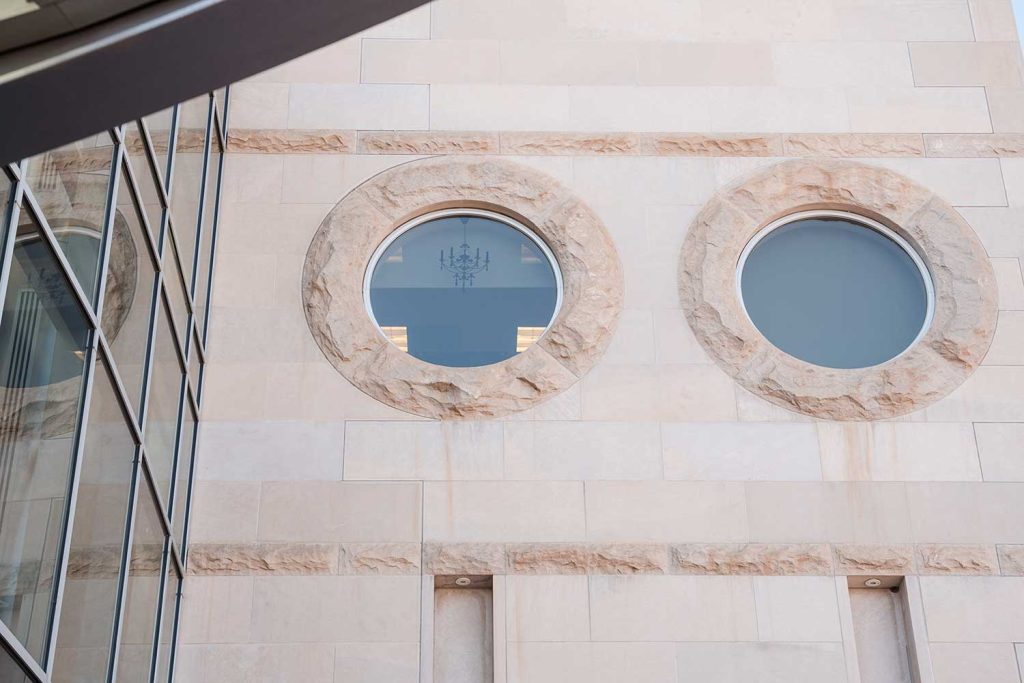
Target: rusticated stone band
<point>338,257</point>
<point>965,292</point>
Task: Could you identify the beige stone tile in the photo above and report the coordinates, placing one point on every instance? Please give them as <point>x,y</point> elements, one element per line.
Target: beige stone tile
<point>675,343</point>
<point>591,662</point>
<point>563,406</point>
<point>423,450</point>
<point>752,408</point>
<point>252,177</point>
<point>639,108</point>
<point>326,179</point>
<point>258,663</point>
<point>547,609</point>
<point>498,19</point>
<point>335,63</point>
<point>377,662</point>
<point>918,110</point>
<point>326,511</point>
<point>1019,647</point>
<point>978,609</point>
<point>649,20</point>
<point>1001,448</point>
<point>745,662</point>
<point>666,511</point>
<point>427,142</point>
<point>898,451</point>
<point>961,182</point>
<point>741,451</point>
<point>232,391</point>
<point>957,662</point>
<point>499,107</point>
<point>216,609</point>
<point>582,450</point>
<point>991,394</point>
<point>259,105</point>
<point>802,512</point>
<point>232,329</point>
<point>236,285</point>
<point>1010,283</point>
<point>1007,107</point>
<point>993,20</point>
<point>359,106</point>
<point>989,63</point>
<point>568,62</point>
<point>646,180</point>
<point>967,513</point>
<point>998,229</point>
<point>633,341</point>
<point>828,64</point>
<point>679,393</point>
<point>224,511</point>
<point>268,227</point>
<point>797,609</point>
<point>413,24</point>
<point>775,109</point>
<point>705,64</point>
<point>315,391</point>
<point>430,61</point>
<point>1008,344</point>
<point>661,608</point>
<point>344,609</point>
<point>271,450</point>
<point>503,511</point>
<point>773,20</point>
<point>1013,178</point>
<point>904,21</point>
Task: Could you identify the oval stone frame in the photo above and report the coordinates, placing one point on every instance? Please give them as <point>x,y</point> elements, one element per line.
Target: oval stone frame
<point>336,262</point>
<point>965,308</point>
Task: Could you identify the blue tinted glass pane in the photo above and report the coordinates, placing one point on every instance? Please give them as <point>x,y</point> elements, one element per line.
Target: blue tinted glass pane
<point>834,293</point>
<point>463,291</point>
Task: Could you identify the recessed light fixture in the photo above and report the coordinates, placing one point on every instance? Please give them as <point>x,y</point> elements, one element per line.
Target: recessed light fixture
<point>462,581</point>
<point>873,583</point>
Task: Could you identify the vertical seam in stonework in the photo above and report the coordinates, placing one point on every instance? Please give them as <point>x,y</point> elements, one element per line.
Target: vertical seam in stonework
<point>977,450</point>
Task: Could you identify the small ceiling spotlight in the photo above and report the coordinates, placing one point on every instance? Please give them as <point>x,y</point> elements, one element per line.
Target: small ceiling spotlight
<point>463,581</point>
<point>873,583</point>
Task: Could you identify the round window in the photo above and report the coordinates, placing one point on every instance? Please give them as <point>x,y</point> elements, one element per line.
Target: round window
<point>835,290</point>
<point>463,288</point>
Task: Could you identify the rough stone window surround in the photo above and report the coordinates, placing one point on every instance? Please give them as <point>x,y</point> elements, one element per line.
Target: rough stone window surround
<point>332,287</point>
<point>965,294</point>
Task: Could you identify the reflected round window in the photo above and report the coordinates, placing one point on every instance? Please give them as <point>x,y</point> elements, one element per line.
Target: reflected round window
<point>835,290</point>
<point>463,288</point>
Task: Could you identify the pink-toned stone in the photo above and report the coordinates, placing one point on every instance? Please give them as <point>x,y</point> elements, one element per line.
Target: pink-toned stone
<point>957,559</point>
<point>1011,559</point>
<point>442,559</point>
<point>753,559</point>
<point>975,145</point>
<point>853,145</point>
<point>286,141</point>
<point>586,558</point>
<point>873,559</point>
<point>426,142</point>
<point>571,143</point>
<point>722,145</point>
<point>229,559</point>
<point>379,558</point>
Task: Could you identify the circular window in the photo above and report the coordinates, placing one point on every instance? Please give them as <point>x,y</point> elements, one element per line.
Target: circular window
<point>834,289</point>
<point>463,288</point>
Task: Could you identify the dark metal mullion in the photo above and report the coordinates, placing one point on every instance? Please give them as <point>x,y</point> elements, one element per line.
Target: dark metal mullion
<point>140,211</point>
<point>125,569</point>
<point>172,144</point>
<point>158,627</point>
<point>149,151</point>
<point>107,233</point>
<point>10,233</point>
<point>154,490</point>
<point>213,252</point>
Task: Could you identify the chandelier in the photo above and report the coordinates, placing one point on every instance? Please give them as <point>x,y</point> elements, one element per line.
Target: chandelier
<point>463,265</point>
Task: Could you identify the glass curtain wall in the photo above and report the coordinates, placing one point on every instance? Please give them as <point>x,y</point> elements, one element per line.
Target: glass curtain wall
<point>105,273</point>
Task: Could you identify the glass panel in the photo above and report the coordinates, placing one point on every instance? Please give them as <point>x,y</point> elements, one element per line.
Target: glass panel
<point>188,177</point>
<point>128,297</point>
<point>43,339</point>
<point>163,650</point>
<point>70,184</point>
<point>89,606</point>
<point>221,98</point>
<point>206,243</point>
<point>142,171</point>
<point>159,127</point>
<point>162,410</point>
<point>10,670</point>
<point>176,291</point>
<point>5,196</point>
<point>834,292</point>
<point>143,593</point>
<point>463,290</point>
<point>188,432</point>
<point>194,366</point>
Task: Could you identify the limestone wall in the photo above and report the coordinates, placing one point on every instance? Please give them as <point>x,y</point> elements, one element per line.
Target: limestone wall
<point>655,522</point>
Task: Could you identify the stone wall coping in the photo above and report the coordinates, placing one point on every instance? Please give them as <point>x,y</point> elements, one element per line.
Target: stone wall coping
<point>966,300</point>
<point>333,275</point>
<point>625,143</point>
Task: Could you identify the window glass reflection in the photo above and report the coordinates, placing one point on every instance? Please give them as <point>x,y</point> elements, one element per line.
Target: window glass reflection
<point>170,607</point>
<point>162,411</point>
<point>89,605</point>
<point>43,339</point>
<point>190,148</point>
<point>142,172</point>
<point>70,185</point>
<point>184,467</point>
<point>175,288</point>
<point>206,242</point>
<point>10,670</point>
<point>463,291</point>
<point>159,127</point>
<point>143,592</point>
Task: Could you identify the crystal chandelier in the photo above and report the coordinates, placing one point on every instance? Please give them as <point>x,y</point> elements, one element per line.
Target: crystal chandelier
<point>464,266</point>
